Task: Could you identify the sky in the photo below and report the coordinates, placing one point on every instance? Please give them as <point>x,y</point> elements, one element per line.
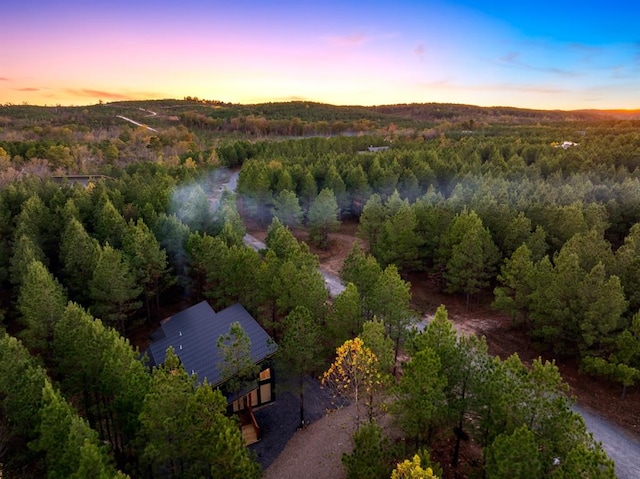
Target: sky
<point>563,54</point>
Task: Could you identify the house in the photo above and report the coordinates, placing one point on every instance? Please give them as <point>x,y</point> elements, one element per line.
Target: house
<point>84,180</point>
<point>193,334</point>
<point>377,149</point>
<point>566,144</point>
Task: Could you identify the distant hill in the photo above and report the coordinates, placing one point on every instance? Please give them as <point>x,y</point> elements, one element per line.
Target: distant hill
<point>461,112</point>
<point>617,114</point>
<point>193,112</point>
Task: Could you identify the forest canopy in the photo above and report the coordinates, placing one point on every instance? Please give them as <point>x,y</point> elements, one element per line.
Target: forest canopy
<point>106,225</point>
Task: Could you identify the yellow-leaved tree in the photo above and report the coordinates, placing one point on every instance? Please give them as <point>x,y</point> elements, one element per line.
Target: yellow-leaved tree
<point>411,469</point>
<point>354,373</point>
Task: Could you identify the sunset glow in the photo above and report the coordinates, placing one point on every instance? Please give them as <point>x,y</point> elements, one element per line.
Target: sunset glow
<point>550,55</point>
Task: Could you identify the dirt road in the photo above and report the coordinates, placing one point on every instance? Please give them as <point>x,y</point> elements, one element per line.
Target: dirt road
<point>623,449</point>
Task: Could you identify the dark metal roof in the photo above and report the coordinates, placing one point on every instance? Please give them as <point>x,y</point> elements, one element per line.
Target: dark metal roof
<point>193,334</point>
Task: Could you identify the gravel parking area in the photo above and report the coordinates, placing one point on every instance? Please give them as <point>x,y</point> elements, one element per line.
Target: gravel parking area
<point>279,421</point>
<point>316,451</point>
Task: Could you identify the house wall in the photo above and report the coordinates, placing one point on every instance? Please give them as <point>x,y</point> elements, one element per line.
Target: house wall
<point>262,394</point>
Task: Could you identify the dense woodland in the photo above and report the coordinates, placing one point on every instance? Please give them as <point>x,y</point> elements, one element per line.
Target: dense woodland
<point>484,201</point>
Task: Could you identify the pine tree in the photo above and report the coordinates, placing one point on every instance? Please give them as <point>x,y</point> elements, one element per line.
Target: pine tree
<point>113,289</point>
<point>185,431</point>
<point>102,370</point>
<point>514,456</point>
<point>300,350</point>
<point>323,217</point>
<point>344,320</point>
<point>235,363</point>
<point>78,255</point>
<point>421,396</point>
<point>286,207</point>
<point>148,261</point>
<point>473,256</point>
<point>41,302</point>
<point>390,303</point>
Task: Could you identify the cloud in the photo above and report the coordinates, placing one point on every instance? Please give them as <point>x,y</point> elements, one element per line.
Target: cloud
<point>4,79</point>
<point>27,89</point>
<point>295,98</point>
<point>588,52</point>
<point>354,40</point>
<point>620,72</point>
<point>110,95</point>
<point>512,59</point>
<point>278,99</point>
<point>98,93</point>
<point>420,50</point>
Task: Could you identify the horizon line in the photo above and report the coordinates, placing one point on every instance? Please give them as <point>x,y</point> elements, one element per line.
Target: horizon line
<point>301,100</point>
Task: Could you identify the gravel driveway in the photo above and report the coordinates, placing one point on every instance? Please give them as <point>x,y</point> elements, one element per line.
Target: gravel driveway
<point>279,421</point>
<point>620,447</point>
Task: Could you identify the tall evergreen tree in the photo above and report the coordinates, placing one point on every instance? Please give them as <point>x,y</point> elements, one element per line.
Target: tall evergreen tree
<point>228,223</point>
<point>148,262</point>
<point>36,221</point>
<point>110,226</point>
<point>514,456</point>
<point>390,304</point>
<point>300,350</point>
<point>70,445</point>
<point>517,284</point>
<point>104,372</point>
<point>473,256</point>
<point>372,220</point>
<point>21,383</point>
<point>113,289</point>
<point>186,432</point>
<point>286,207</point>
<point>345,320</point>
<point>399,240</point>
<point>323,217</point>
<point>234,359</point>
<point>78,255</point>
<point>25,251</point>
<point>420,393</point>
<point>364,272</point>
<point>41,302</point>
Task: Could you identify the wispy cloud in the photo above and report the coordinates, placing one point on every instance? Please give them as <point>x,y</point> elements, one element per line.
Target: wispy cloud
<point>292,98</point>
<point>636,58</point>
<point>99,93</point>
<point>356,39</point>
<point>620,72</point>
<point>353,40</point>
<point>4,79</point>
<point>27,89</point>
<point>420,50</point>
<point>513,59</point>
<point>587,52</point>
<point>109,95</point>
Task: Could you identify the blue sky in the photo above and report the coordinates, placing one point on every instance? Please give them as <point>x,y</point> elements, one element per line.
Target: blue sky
<point>551,55</point>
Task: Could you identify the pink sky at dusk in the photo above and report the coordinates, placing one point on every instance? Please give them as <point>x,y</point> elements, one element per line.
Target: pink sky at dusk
<point>76,53</point>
